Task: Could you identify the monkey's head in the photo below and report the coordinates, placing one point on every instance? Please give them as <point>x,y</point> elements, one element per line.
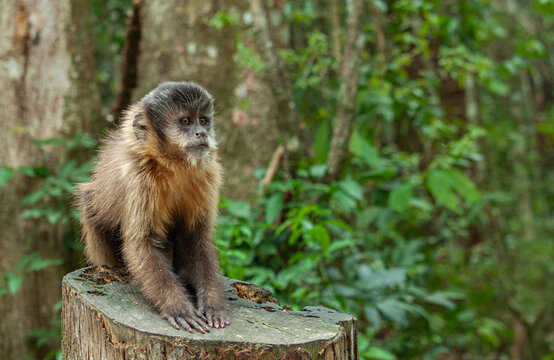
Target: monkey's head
<point>180,115</point>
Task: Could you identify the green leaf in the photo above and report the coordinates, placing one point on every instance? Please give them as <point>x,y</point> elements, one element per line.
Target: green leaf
<point>373,316</point>
<point>367,216</point>
<point>293,274</point>
<point>378,353</point>
<point>381,278</point>
<point>248,58</point>
<point>352,188</point>
<point>390,309</point>
<point>67,168</point>
<point>273,207</point>
<point>545,7</point>
<point>444,298</point>
<point>40,264</point>
<point>14,282</point>
<point>439,184</point>
<point>318,171</point>
<point>464,186</point>
<point>223,19</point>
<point>384,174</point>
<point>27,170</point>
<point>294,236</point>
<point>239,209</point>
<point>34,213</point>
<point>499,88</point>
<point>345,291</point>
<point>399,198</point>
<point>55,216</point>
<point>344,201</point>
<point>337,223</point>
<point>51,141</point>
<point>361,148</point>
<point>321,235</point>
<point>34,197</point>
<point>341,244</point>
<point>446,185</point>
<point>5,175</point>
<point>321,142</point>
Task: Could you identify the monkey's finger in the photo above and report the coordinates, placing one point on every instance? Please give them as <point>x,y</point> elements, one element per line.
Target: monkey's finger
<point>200,315</point>
<point>184,324</point>
<point>172,322</point>
<point>203,324</point>
<point>197,324</point>
<point>221,320</point>
<point>213,320</point>
<point>210,320</point>
<point>217,322</point>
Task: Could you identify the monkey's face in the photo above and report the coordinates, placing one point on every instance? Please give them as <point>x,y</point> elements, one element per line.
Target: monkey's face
<point>182,115</point>
<point>193,131</point>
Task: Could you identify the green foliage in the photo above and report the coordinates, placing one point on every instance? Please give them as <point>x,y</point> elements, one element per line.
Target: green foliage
<point>342,245</point>
<point>224,19</point>
<point>439,223</point>
<point>57,188</point>
<point>11,280</point>
<point>247,58</point>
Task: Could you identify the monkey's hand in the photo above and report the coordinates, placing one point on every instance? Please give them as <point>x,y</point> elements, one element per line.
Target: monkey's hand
<point>188,318</point>
<point>216,315</point>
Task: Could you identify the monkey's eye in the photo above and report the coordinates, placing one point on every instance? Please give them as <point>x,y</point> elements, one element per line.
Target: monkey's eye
<point>203,120</point>
<point>185,120</point>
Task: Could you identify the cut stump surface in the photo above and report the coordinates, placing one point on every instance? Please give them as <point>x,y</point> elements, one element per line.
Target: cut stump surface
<point>105,316</point>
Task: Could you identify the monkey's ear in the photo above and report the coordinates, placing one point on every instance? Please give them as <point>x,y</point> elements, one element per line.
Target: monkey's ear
<point>139,125</point>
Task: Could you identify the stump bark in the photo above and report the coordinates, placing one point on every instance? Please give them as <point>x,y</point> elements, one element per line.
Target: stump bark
<point>105,316</point>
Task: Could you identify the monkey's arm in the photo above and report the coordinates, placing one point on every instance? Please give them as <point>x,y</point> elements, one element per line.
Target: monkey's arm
<point>195,261</point>
<point>153,273</point>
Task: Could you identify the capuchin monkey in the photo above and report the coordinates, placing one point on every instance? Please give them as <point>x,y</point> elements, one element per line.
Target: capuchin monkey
<point>154,192</point>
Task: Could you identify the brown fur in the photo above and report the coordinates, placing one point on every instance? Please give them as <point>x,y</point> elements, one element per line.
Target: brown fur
<point>146,199</point>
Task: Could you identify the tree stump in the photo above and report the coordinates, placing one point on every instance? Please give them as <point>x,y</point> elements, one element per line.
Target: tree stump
<point>105,316</point>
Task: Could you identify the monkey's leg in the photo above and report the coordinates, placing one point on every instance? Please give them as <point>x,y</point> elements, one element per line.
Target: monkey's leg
<point>99,248</point>
<point>195,261</point>
<point>153,273</point>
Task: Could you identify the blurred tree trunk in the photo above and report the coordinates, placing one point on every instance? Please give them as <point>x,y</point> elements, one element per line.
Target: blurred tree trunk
<point>288,126</point>
<point>179,43</point>
<point>46,82</point>
<point>349,77</point>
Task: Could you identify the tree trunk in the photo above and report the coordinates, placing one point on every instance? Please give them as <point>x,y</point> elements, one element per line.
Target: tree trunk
<point>47,91</point>
<point>179,43</point>
<point>349,76</point>
<point>104,317</point>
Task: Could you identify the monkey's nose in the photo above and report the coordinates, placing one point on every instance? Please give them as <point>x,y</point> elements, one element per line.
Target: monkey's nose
<point>199,134</point>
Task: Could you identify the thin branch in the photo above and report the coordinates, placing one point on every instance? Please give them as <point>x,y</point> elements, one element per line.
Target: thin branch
<point>336,30</point>
<point>129,61</point>
<point>380,39</point>
<point>272,168</point>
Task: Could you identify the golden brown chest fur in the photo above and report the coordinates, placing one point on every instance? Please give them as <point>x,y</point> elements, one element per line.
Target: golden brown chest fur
<point>184,193</point>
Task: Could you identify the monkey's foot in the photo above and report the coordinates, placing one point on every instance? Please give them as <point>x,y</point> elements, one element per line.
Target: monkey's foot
<point>188,320</point>
<point>216,318</point>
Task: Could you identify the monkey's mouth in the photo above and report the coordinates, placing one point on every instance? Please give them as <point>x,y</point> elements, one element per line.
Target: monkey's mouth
<point>199,146</point>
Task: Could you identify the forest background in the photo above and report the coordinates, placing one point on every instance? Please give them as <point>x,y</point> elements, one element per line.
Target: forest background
<point>391,159</point>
